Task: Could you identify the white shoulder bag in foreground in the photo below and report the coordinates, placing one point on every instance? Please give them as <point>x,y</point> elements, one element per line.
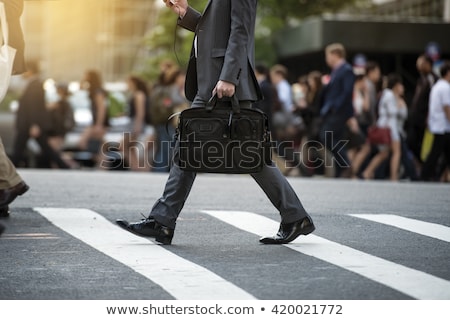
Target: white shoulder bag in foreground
<point>7,55</point>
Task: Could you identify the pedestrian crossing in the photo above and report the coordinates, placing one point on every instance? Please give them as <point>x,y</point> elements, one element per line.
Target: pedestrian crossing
<point>431,230</point>
<point>186,280</point>
<point>181,278</point>
<point>411,282</point>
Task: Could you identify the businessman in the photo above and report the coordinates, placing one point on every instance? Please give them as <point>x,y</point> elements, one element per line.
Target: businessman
<point>337,107</point>
<point>221,63</point>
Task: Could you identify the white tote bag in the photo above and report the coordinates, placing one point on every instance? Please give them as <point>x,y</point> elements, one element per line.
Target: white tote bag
<point>7,55</point>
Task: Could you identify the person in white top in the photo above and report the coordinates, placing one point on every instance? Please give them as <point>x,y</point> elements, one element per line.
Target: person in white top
<point>393,113</point>
<point>439,124</point>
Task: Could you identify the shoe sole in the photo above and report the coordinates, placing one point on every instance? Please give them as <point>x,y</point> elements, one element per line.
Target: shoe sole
<point>164,240</point>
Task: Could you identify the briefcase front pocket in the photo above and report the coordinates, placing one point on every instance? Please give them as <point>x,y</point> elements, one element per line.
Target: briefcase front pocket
<point>212,128</point>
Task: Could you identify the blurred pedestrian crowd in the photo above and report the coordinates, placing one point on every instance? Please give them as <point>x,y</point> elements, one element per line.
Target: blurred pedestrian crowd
<point>144,142</point>
<point>355,122</point>
<point>350,123</point>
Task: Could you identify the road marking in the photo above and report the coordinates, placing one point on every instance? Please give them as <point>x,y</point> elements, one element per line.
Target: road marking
<point>179,277</point>
<point>29,236</point>
<point>414,283</point>
<point>428,229</point>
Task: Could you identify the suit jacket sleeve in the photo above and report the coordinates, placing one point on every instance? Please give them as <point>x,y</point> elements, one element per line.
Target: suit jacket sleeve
<point>236,56</point>
<point>190,19</point>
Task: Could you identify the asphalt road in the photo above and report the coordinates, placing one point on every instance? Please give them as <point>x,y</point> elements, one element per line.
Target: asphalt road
<point>349,257</point>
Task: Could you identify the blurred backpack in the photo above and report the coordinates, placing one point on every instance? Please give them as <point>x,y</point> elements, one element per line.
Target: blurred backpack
<point>162,104</point>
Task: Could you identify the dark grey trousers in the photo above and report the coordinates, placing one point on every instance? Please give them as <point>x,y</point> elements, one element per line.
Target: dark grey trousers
<point>167,209</point>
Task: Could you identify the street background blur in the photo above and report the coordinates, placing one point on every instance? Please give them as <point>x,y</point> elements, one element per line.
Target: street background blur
<point>119,38</point>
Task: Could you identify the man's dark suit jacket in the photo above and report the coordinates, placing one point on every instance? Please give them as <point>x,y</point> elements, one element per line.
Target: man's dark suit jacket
<point>32,110</point>
<point>337,98</point>
<point>420,102</point>
<point>14,10</point>
<point>225,48</point>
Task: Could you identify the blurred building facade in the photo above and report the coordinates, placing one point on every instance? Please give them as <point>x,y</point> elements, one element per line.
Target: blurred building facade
<point>70,36</point>
<point>392,32</point>
<point>437,10</point>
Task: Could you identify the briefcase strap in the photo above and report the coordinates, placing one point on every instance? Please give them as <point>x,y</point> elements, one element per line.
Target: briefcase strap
<point>211,104</point>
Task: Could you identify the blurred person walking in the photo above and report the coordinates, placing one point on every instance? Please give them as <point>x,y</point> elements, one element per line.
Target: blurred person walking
<point>313,154</point>
<point>93,136</point>
<point>164,99</point>
<point>337,107</point>
<point>372,83</point>
<point>33,121</point>
<point>286,125</point>
<point>393,112</point>
<point>278,76</point>
<point>313,99</point>
<point>225,29</point>
<point>439,124</point>
<point>361,100</point>
<point>361,108</point>
<point>365,103</point>
<point>62,119</point>
<point>138,110</point>
<point>11,184</point>
<point>419,106</point>
<point>282,116</point>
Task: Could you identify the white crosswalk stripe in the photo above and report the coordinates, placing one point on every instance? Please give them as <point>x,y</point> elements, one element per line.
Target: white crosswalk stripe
<point>411,282</point>
<point>186,280</point>
<point>179,277</point>
<point>424,228</point>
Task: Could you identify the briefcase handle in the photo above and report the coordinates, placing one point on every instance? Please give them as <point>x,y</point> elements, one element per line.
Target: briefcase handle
<point>214,99</point>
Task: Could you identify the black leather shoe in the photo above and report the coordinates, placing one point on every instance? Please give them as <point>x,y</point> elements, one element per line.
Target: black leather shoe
<point>148,228</point>
<point>290,231</point>
<point>9,195</point>
<point>4,212</point>
<point>2,228</point>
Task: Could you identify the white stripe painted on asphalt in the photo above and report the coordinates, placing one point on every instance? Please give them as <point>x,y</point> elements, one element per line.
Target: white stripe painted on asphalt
<point>428,229</point>
<point>181,278</point>
<point>411,282</point>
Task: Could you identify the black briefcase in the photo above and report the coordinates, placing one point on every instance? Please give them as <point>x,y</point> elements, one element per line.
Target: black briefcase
<point>221,138</point>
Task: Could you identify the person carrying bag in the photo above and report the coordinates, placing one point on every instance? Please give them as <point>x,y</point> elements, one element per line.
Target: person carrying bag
<point>221,65</point>
<point>11,62</point>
